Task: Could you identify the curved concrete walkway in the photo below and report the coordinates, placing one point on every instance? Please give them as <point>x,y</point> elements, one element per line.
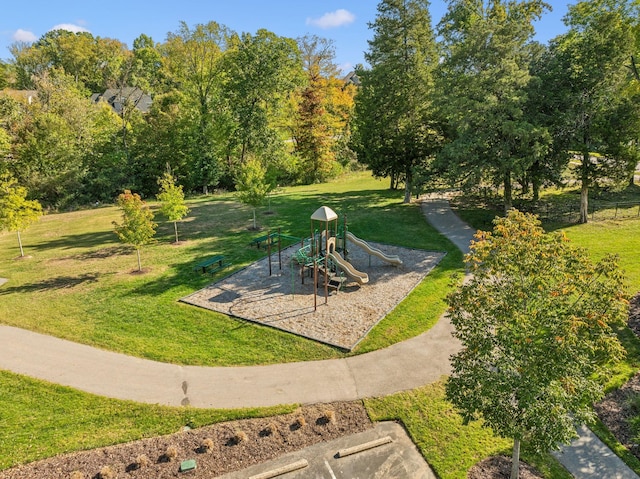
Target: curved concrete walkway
<point>407,365</point>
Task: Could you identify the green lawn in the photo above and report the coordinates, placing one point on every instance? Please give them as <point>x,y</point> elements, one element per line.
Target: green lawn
<point>78,284</point>
<point>621,237</point>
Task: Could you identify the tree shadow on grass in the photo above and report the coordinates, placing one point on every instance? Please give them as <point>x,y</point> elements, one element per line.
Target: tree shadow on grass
<point>103,253</point>
<point>57,283</point>
<point>292,213</point>
<point>81,240</point>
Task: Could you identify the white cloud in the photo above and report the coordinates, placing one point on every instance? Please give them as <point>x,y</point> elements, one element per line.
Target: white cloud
<point>21,35</point>
<point>333,19</point>
<point>69,27</point>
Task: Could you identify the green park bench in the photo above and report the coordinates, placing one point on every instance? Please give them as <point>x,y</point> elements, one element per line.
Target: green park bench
<point>211,265</point>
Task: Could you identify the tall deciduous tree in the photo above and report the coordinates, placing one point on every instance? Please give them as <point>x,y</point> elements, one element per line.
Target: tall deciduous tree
<point>314,143</point>
<point>147,72</point>
<point>137,227</point>
<point>93,62</point>
<point>595,117</point>
<point>5,143</point>
<point>484,81</point>
<point>13,116</point>
<point>318,115</point>
<point>314,139</point>
<point>172,201</point>
<point>27,62</point>
<point>5,74</point>
<point>263,70</point>
<point>167,136</point>
<point>52,144</point>
<point>394,127</point>
<point>535,321</point>
<point>106,169</point>
<point>16,211</point>
<point>193,58</point>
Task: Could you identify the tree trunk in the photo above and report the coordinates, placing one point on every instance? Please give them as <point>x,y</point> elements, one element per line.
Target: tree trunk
<point>255,227</point>
<point>584,188</point>
<point>525,182</point>
<point>175,227</point>
<point>584,203</point>
<point>139,262</point>
<point>535,183</point>
<point>508,193</point>
<point>125,146</point>
<point>20,244</point>
<point>515,459</point>
<point>408,180</point>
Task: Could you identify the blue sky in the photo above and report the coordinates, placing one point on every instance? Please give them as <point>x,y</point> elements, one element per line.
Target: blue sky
<point>345,22</point>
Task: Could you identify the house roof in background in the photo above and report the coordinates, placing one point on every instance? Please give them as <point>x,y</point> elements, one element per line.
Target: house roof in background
<point>118,97</point>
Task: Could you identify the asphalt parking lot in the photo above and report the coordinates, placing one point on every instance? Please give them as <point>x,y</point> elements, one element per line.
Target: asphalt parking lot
<point>384,452</point>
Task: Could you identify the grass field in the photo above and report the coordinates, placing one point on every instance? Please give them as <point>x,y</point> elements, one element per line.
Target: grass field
<point>78,285</point>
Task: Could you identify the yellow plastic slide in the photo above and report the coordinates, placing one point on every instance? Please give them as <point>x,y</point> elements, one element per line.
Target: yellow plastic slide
<point>348,268</point>
<point>392,259</point>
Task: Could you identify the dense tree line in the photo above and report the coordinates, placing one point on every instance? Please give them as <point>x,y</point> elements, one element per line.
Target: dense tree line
<point>218,98</point>
<point>472,102</point>
<point>476,102</point>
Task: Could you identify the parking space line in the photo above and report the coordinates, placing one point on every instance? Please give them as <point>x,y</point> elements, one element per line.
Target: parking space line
<point>333,476</point>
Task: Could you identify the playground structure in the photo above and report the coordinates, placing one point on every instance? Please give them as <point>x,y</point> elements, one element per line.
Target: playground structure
<point>276,291</point>
<point>320,254</point>
<point>348,268</point>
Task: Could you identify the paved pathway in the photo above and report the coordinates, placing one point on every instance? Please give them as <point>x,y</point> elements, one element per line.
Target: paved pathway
<point>406,365</point>
<point>439,214</point>
<point>589,458</point>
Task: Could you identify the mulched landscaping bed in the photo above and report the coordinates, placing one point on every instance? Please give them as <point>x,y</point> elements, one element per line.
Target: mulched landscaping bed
<point>235,445</point>
<point>499,467</point>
